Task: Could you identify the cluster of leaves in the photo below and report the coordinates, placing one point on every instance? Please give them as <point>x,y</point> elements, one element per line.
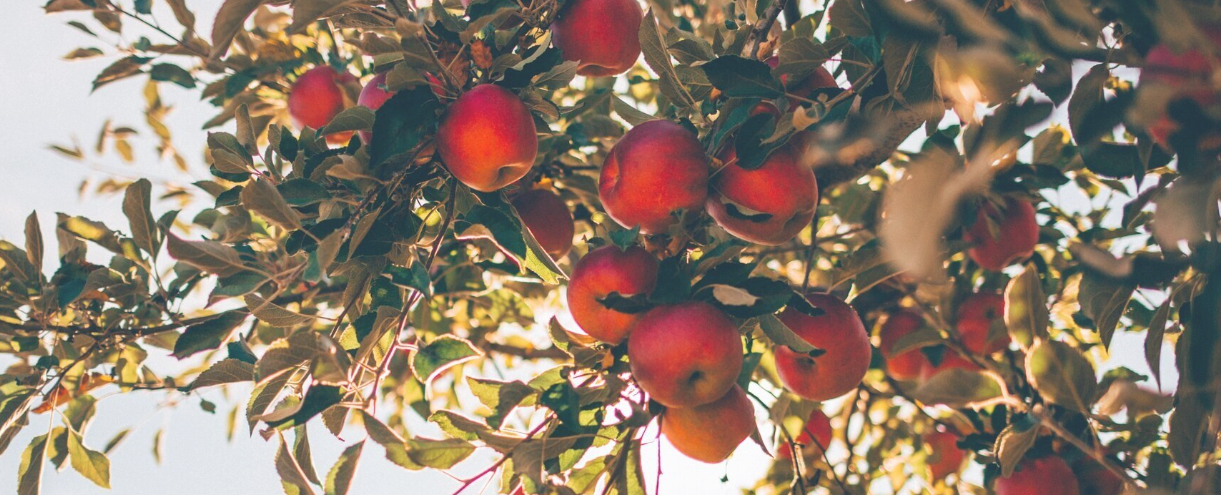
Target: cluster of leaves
<point>342,278</point>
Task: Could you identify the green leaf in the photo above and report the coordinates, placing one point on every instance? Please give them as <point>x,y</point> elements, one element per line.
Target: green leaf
<point>1026,313</point>
<point>1012,444</point>
<point>400,124</point>
<point>1088,95</point>
<point>499,223</point>
<point>207,256</point>
<point>339,479</point>
<point>1153,340</point>
<point>850,17</point>
<point>800,57</point>
<point>438,454</point>
<point>228,153</point>
<point>956,387</point>
<point>229,20</point>
<point>500,397</point>
<point>1104,301</point>
<point>291,475</point>
<point>742,78</point>
<point>29,473</point>
<point>172,73</point>
<point>441,354</point>
<point>98,233</point>
<point>223,372</point>
<point>273,314</point>
<point>262,396</point>
<point>207,335</point>
<point>17,263</point>
<point>781,334</point>
<point>317,399</point>
<point>261,197</point>
<point>1113,160</point>
<point>91,464</point>
<point>357,118</point>
<point>658,59</point>
<point>305,12</point>
<point>1062,375</point>
<point>302,192</point>
<point>137,208</point>
<point>33,242</point>
<point>456,425</point>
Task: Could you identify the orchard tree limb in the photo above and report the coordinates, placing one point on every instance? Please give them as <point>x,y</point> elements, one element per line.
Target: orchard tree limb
<point>758,33</point>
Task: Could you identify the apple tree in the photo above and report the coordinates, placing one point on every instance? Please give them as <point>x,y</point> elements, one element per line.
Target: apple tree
<point>890,243</point>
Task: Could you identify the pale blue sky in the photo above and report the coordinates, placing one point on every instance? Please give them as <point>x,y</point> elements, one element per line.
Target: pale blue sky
<point>47,100</point>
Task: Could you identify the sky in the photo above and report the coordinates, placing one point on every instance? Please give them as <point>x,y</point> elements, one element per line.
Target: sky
<point>48,100</point>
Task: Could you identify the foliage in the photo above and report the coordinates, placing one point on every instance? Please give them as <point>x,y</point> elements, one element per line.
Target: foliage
<point>356,284</point>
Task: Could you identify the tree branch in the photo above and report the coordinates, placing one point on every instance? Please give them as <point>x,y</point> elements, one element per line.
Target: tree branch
<point>758,33</point>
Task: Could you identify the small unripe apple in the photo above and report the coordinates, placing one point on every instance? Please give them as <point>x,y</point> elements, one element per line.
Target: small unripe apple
<point>977,313</point>
<point>487,138</point>
<point>816,434</point>
<point>769,205</point>
<point>1015,237</point>
<point>548,218</point>
<point>906,365</point>
<point>373,96</point>
<point>655,170</point>
<point>601,34</point>
<point>838,331</point>
<point>608,269</point>
<point>946,457</point>
<point>1046,476</point>
<point>710,432</point>
<point>686,354</point>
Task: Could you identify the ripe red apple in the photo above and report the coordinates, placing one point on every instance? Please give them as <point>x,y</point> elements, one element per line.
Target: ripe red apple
<point>316,97</point>
<point>814,434</point>
<point>1016,234</point>
<point>1046,476</point>
<point>710,432</point>
<point>686,354</point>
<point>655,169</point>
<point>373,96</point>
<point>1096,479</point>
<point>487,138</point>
<point>769,205</point>
<point>601,34</point>
<point>840,333</point>
<point>818,79</point>
<point>946,458</point>
<point>603,271</point>
<point>1188,74</point>
<point>906,365</point>
<point>548,218</point>
<point>976,315</point>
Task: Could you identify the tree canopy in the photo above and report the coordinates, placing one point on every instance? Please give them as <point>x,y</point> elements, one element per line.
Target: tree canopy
<point>379,238</point>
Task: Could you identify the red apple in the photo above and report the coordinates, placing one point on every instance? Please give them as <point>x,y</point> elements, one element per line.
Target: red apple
<point>685,355</point>
<point>603,271</point>
<point>946,458</point>
<point>316,97</point>
<point>977,313</point>
<point>548,218</point>
<point>1096,479</point>
<point>487,138</point>
<point>1188,74</point>
<point>1015,237</point>
<point>906,365</point>
<point>373,96</point>
<point>601,34</point>
<point>818,79</point>
<point>655,170</point>
<point>839,332</point>
<point>815,435</point>
<point>709,433</point>
<point>769,205</point>
<point>1046,476</point>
